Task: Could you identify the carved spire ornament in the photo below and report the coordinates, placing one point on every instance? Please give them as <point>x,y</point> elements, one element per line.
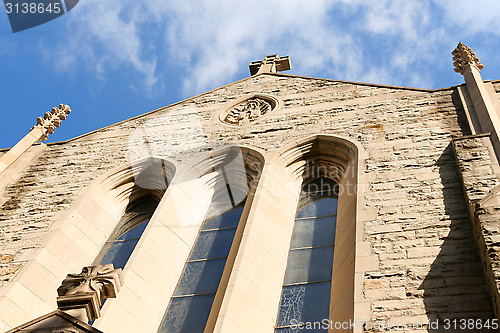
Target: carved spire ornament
<point>52,119</point>
<point>462,56</point>
<point>89,289</point>
<point>45,125</point>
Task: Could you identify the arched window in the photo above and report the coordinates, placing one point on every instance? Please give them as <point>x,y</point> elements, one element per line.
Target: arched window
<point>307,286</point>
<point>126,235</point>
<point>192,301</point>
<point>137,189</point>
<point>230,176</point>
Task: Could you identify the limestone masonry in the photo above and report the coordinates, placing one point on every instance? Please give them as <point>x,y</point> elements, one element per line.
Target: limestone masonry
<point>422,230</point>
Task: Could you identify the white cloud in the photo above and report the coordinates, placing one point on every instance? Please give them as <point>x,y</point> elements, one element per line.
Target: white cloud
<point>472,17</point>
<point>224,33</point>
<point>106,34</point>
<point>208,42</point>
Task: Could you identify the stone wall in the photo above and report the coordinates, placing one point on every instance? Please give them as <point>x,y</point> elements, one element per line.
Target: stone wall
<point>47,187</point>
<point>479,173</point>
<point>420,229</point>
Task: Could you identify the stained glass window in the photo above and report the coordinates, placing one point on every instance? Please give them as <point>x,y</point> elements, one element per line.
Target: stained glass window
<point>122,242</point>
<point>307,287</point>
<point>190,306</point>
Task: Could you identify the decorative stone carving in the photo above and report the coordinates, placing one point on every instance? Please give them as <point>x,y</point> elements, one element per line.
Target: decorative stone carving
<point>270,64</point>
<point>89,289</point>
<point>249,110</point>
<point>53,119</point>
<point>462,56</point>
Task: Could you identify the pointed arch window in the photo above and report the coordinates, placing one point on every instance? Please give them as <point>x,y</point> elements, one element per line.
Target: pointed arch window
<point>192,301</point>
<point>308,278</point>
<point>124,238</point>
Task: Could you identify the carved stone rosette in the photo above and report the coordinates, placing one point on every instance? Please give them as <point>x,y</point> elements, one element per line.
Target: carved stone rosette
<point>249,110</point>
<point>89,289</point>
<point>462,56</point>
<point>53,119</point>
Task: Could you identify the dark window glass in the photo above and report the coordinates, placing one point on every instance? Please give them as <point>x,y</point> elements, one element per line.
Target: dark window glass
<point>120,245</point>
<point>316,231</point>
<point>201,277</point>
<point>227,220</point>
<point>309,265</point>
<point>213,244</point>
<point>135,232</point>
<point>304,303</point>
<point>187,314</point>
<point>307,285</point>
<point>190,307</point>
<point>324,207</point>
<point>118,253</point>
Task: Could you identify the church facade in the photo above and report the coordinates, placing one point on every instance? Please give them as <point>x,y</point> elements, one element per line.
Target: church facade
<point>277,203</point>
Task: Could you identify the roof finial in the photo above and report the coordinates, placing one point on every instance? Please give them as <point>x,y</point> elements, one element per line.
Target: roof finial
<point>52,119</point>
<point>270,64</point>
<point>462,56</point>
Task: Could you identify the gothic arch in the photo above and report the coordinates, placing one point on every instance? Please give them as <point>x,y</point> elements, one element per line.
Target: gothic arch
<point>341,160</point>
<point>78,233</point>
<point>235,170</point>
<point>333,154</point>
<point>174,228</point>
<point>262,257</point>
<point>237,166</point>
<point>141,187</point>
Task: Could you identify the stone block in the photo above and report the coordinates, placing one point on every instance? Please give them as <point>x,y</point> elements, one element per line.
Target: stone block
<point>12,314</point>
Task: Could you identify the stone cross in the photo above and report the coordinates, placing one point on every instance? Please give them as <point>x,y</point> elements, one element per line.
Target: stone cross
<point>88,289</point>
<point>270,64</point>
<point>462,56</point>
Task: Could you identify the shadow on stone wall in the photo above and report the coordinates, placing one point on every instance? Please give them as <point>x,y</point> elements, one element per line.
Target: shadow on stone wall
<point>455,287</point>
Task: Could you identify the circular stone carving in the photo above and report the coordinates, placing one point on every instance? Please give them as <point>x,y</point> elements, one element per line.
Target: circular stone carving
<point>249,110</point>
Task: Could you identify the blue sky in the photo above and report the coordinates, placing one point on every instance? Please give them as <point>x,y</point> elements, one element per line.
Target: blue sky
<point>115,59</point>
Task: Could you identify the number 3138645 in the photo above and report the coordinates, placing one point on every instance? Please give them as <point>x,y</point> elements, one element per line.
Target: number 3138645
<point>32,8</point>
<point>476,324</point>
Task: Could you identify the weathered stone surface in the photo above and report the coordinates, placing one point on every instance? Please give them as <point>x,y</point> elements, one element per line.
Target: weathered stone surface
<point>480,183</point>
<point>421,230</point>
